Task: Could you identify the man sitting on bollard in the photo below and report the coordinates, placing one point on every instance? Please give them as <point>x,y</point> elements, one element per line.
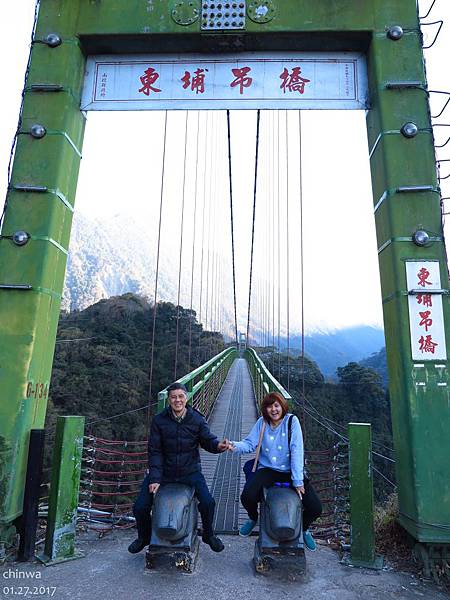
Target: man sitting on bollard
<point>173,457</point>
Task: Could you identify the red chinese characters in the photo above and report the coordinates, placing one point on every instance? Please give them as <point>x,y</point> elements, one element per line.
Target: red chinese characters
<point>293,82</point>
<point>427,345</point>
<point>241,79</point>
<point>423,275</point>
<point>148,79</point>
<point>425,319</point>
<point>425,310</point>
<point>424,299</point>
<point>195,82</point>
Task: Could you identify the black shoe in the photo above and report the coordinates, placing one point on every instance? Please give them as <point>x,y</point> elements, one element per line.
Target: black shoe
<point>213,542</point>
<point>136,546</point>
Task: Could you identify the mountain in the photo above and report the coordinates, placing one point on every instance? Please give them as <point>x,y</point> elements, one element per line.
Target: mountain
<point>117,255</point>
<point>111,257</point>
<point>377,361</point>
<point>334,349</point>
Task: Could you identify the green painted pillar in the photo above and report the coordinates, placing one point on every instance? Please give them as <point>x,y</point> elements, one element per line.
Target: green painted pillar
<point>65,485</point>
<point>361,497</point>
<point>407,199</point>
<point>40,203</point>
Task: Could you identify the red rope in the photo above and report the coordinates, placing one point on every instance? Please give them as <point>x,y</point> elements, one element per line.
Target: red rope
<point>117,453</point>
<point>115,442</point>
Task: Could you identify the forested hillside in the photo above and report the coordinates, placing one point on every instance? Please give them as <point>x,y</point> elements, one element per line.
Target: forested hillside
<point>102,365</point>
<point>102,361</point>
<point>325,408</point>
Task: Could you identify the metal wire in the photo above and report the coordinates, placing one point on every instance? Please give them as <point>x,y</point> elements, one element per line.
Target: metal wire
<point>193,241</point>
<point>287,253</point>
<point>158,248</point>
<point>440,23</point>
<point>394,485</point>
<point>279,245</point>
<point>258,118</point>
<point>203,231</point>
<point>302,277</point>
<point>181,246</point>
<point>429,10</point>
<point>445,105</point>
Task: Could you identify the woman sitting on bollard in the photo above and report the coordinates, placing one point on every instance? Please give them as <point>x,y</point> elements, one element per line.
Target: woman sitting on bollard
<point>280,459</point>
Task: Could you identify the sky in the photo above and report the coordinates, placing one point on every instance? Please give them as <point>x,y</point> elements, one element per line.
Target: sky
<point>121,174</point>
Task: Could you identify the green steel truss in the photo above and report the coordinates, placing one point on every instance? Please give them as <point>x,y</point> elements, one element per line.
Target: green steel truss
<point>28,317</point>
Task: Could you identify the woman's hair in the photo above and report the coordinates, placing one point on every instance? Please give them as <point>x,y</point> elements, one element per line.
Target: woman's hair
<point>271,399</point>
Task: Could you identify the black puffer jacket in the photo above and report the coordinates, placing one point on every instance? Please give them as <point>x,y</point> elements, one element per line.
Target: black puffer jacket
<point>173,447</point>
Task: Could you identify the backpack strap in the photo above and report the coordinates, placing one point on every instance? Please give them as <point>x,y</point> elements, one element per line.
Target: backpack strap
<point>289,431</point>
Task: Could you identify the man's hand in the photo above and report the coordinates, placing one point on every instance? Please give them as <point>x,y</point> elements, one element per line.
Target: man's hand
<point>300,490</point>
<point>224,445</point>
<point>153,488</point>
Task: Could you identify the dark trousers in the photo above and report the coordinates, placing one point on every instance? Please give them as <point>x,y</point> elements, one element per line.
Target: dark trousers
<point>252,494</point>
<point>143,506</point>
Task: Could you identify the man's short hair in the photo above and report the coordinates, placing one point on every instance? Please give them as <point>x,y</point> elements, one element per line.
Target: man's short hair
<point>177,386</point>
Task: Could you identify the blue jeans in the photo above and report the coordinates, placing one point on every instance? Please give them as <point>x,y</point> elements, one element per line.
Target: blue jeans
<point>143,506</point>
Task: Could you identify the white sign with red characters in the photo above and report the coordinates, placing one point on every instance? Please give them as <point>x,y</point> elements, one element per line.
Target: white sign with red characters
<point>426,316</point>
<point>248,80</point>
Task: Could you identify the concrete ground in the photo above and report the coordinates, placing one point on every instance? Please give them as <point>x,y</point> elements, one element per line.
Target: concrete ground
<point>109,571</point>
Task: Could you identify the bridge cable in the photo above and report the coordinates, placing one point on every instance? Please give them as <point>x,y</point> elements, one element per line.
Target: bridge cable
<point>163,168</point>
<point>203,234</point>
<point>302,290</point>
<point>279,245</point>
<point>272,190</point>
<point>258,118</point>
<point>212,165</point>
<point>287,252</point>
<point>214,248</point>
<point>177,336</point>
<point>212,181</point>
<point>320,416</point>
<point>193,243</point>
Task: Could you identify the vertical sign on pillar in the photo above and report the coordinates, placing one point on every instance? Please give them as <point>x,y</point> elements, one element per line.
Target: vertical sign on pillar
<point>426,317</point>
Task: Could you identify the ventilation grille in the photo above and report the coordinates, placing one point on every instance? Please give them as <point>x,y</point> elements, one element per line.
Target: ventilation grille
<point>223,15</point>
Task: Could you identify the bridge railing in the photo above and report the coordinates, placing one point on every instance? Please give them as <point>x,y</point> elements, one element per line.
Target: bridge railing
<point>263,380</point>
<point>205,382</point>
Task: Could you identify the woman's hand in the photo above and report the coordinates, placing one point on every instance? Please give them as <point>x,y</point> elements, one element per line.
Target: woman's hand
<point>153,488</point>
<point>300,490</point>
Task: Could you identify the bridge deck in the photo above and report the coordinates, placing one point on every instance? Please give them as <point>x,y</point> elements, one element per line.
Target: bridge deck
<point>232,417</point>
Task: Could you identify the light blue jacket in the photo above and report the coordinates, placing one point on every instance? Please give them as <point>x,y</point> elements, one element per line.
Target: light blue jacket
<point>275,452</point>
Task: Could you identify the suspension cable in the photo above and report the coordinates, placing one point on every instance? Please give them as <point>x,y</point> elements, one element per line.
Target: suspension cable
<point>258,116</point>
<point>177,336</point>
<point>232,225</point>
<point>279,245</point>
<point>211,205</point>
<point>287,253</point>
<point>163,168</point>
<point>193,243</point>
<point>272,190</point>
<point>203,233</point>
<point>302,291</point>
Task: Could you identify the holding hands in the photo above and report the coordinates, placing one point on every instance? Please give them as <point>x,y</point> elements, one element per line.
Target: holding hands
<point>225,445</point>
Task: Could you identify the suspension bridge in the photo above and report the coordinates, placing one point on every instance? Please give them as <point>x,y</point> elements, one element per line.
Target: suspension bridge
<point>276,59</point>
